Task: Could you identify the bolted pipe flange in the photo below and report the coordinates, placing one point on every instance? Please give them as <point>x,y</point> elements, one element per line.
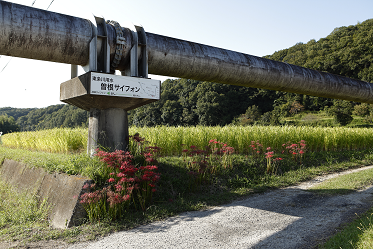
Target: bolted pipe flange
<point>120,43</point>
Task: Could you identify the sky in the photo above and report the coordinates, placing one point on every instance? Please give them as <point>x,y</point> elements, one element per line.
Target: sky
<point>249,26</point>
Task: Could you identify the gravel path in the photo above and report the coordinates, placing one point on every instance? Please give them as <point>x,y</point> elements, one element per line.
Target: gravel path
<point>285,218</point>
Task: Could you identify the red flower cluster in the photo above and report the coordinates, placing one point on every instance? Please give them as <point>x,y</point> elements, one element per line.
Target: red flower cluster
<point>220,148</point>
<point>295,149</point>
<point>256,148</point>
<point>127,182</point>
<point>269,154</point>
<point>128,178</point>
<point>272,163</point>
<point>205,163</point>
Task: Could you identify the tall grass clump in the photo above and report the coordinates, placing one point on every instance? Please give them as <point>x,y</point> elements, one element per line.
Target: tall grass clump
<point>170,139</point>
<point>20,209</point>
<point>57,140</point>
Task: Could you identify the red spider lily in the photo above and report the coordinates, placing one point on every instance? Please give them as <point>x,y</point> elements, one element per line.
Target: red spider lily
<point>126,180</point>
<point>119,187</point>
<point>87,186</point>
<point>269,154</point>
<point>151,167</point>
<point>137,138</point>
<point>120,174</point>
<point>126,197</point>
<point>91,197</point>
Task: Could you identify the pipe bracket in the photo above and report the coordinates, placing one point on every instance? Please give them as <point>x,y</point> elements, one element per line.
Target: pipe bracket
<point>120,43</point>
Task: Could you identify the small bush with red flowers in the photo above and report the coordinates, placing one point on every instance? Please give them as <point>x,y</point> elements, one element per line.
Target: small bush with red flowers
<point>204,164</point>
<point>130,183</point>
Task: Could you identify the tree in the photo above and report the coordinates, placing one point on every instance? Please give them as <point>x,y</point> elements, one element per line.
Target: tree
<point>253,114</point>
<point>342,111</point>
<point>172,113</point>
<point>296,107</point>
<point>8,124</point>
<point>362,110</point>
<point>270,118</point>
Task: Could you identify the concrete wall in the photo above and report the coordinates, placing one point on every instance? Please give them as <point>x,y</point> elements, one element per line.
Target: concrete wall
<point>61,190</point>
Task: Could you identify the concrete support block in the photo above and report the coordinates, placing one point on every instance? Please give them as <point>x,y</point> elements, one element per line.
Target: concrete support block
<point>108,121</point>
<point>108,129</point>
<point>61,190</point>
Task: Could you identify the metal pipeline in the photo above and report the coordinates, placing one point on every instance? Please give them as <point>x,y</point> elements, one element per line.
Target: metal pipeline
<point>178,58</point>
<point>43,35</point>
<point>37,34</point>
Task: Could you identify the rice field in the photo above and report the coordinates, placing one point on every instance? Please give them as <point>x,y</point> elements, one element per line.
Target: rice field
<point>58,140</point>
<point>240,137</point>
<point>171,139</point>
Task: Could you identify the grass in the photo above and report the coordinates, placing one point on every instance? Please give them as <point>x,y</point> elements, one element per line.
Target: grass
<point>322,119</point>
<point>174,196</point>
<point>72,164</point>
<point>171,139</point>
<point>20,213</point>
<point>240,137</point>
<point>57,140</point>
<point>356,235</point>
<point>359,233</point>
<point>345,184</point>
<point>329,150</point>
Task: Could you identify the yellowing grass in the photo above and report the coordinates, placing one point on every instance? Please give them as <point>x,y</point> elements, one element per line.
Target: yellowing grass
<point>170,139</point>
<point>240,137</point>
<point>59,140</point>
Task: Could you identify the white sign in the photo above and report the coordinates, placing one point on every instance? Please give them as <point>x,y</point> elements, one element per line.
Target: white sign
<point>124,86</point>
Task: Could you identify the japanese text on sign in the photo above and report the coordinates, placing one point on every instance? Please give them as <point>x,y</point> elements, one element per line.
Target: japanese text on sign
<point>124,86</point>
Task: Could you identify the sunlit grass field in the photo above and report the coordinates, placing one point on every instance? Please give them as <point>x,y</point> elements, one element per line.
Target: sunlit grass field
<point>171,139</point>
<point>58,140</point>
<point>328,150</point>
<point>240,137</point>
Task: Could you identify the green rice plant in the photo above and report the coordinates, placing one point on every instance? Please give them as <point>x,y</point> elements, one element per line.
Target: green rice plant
<point>171,139</point>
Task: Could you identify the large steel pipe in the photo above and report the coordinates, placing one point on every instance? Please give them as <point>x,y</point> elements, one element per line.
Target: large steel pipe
<point>43,35</point>
<point>37,34</point>
<point>33,33</point>
<point>184,59</point>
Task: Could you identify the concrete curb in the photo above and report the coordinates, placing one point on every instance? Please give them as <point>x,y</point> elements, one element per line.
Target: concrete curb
<point>61,190</point>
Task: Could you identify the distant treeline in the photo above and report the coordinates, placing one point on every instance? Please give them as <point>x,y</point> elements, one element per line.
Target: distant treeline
<point>347,51</point>
<point>30,119</point>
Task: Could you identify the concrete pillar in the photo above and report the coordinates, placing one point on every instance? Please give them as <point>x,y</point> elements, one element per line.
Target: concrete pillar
<point>108,129</point>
